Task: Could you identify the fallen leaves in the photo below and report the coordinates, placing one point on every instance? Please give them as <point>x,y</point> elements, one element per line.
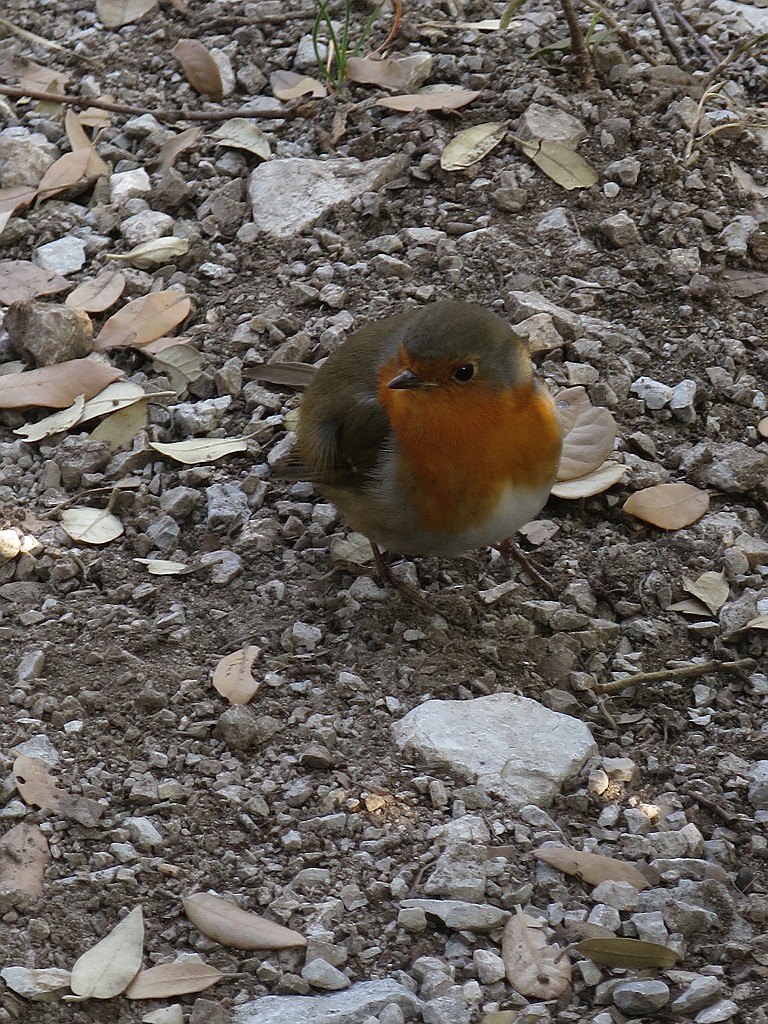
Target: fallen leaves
<point>616,952</point>
<point>472,145</point>
<point>24,856</point>
<point>200,69</point>
<point>107,968</point>
<point>589,435</point>
<point>153,253</point>
<point>179,978</point>
<point>534,968</point>
<point>56,387</point>
<point>711,589</point>
<point>98,294</point>
<point>668,506</point>
<point>116,13</point>
<point>240,133</point>
<point>143,320</point>
<point>563,165</point>
<point>225,922</point>
<point>606,476</point>
<point>591,867</point>
<point>199,450</point>
<point>431,98</point>
<point>287,85</point>
<point>91,525</point>
<point>232,676</point>
<point>21,280</point>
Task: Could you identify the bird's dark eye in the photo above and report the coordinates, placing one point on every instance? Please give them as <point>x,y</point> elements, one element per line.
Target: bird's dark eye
<point>464,372</point>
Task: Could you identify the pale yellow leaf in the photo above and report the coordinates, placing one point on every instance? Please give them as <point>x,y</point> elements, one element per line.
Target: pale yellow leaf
<point>711,588</point>
<point>177,979</point>
<point>762,427</point>
<point>199,67</point>
<point>116,13</point>
<point>106,970</point>
<point>99,293</point>
<point>287,85</point>
<point>67,171</point>
<point>119,428</point>
<point>232,676</point>
<point>172,148</point>
<point>115,396</point>
<point>617,952</point>
<point>563,165</point>
<point>668,506</point>
<point>226,923</point>
<point>169,341</point>
<point>592,868</point>
<point>162,566</point>
<point>690,606</point>
<point>200,449</point>
<point>53,424</point>
<point>240,133</point>
<point>291,420</point>
<point>91,525</point>
<point>181,363</point>
<point>590,435</point>
<point>442,98</point>
<point>600,480</point>
<point>144,319</point>
<point>153,253</point>
<point>387,74</point>
<point>172,1014</point>
<point>534,968</point>
<point>471,145</point>
<point>759,622</point>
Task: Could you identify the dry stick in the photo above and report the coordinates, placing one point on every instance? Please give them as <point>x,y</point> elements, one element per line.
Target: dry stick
<point>168,116</point>
<point>624,37</point>
<point>32,37</point>
<point>672,44</point>
<point>697,37</point>
<point>686,672</point>
<point>578,47</point>
<point>734,56</point>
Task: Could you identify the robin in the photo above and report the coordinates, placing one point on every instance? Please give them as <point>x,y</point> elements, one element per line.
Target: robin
<point>430,434</point>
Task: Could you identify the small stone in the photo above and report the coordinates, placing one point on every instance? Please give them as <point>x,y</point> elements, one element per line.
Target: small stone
<point>239,728</point>
<point>736,235</point>
<point>552,124</point>
<point>47,333</point>
<point>489,966</point>
<point>30,667</point>
<point>655,394</point>
<point>192,419</point>
<point>723,1010</point>
<point>460,873</point>
<point>390,266</point>
<point>143,832</point>
<point>460,916</point>
<point>650,927</point>
<point>228,508</point>
<point>641,997</point>
<point>25,156</point>
<point>620,230</point>
<point>125,185</point>
<point>62,256</point>
<point>146,227</point>
<point>412,919</point>
<point>511,200</point>
<point>699,994</point>
<point>323,975</point>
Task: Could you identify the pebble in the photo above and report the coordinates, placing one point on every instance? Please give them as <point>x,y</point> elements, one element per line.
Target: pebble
<point>125,185</point>
<point>321,974</point>
<point>540,122</point>
<point>620,230</point>
<point>655,394</point>
<point>641,997</point>
<point>62,256</point>
<point>489,966</point>
<point>723,1010</point>
<point>700,993</point>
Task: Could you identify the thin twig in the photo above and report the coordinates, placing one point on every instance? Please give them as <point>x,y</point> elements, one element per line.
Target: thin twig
<point>697,37</point>
<point>167,116</point>
<point>672,44</point>
<point>734,55</point>
<point>32,37</point>
<point>703,668</point>
<point>578,47</point>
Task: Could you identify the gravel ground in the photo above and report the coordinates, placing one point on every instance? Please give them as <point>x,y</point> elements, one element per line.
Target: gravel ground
<point>301,805</point>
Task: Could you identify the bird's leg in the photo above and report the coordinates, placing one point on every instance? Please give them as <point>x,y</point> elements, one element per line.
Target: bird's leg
<point>412,594</point>
<point>510,549</point>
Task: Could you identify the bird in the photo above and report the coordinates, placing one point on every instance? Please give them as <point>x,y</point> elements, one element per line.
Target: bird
<point>430,433</point>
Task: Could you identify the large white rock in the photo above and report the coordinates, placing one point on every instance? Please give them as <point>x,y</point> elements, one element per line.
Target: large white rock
<point>361,1001</point>
<point>288,196</point>
<point>512,746</point>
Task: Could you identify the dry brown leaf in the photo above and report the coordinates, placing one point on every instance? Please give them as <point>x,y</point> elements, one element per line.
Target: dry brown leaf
<point>232,676</point>
<point>99,293</point>
<point>35,784</point>
<point>106,970</point>
<point>172,149</point>
<point>79,140</point>
<point>762,427</point>
<point>181,364</point>
<point>177,979</point>
<point>226,923</point>
<point>56,387</point>
<point>387,74</point>
<point>21,280</point>
<point>690,607</point>
<point>443,98</point>
<point>589,434</point>
<point>200,69</point>
<point>116,13</point>
<point>67,171</point>
<point>472,145</point>
<point>534,968</point>
<point>600,480</point>
<point>14,199</point>
<point>37,78</point>
<point>563,165</point>
<point>592,868</point>
<point>24,856</point>
<point>759,622</point>
<point>615,952</point>
<point>711,588</point>
<point>287,85</point>
<point>240,133</point>
<point>668,506</point>
<point>91,525</point>
<point>144,319</point>
<point>95,117</point>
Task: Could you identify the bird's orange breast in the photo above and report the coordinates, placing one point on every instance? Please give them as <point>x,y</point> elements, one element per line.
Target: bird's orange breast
<point>460,449</point>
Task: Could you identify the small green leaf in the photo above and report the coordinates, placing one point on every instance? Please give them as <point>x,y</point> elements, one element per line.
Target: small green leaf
<point>509,12</point>
<point>627,953</point>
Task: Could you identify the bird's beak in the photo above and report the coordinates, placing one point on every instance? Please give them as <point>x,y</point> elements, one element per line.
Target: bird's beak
<point>405,379</point>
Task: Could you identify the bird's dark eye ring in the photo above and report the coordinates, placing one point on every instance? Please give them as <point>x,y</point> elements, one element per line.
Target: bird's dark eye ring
<point>464,372</point>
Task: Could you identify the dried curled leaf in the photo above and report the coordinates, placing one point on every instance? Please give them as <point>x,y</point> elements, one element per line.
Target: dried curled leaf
<point>711,588</point>
<point>287,85</point>
<point>225,922</point>
<point>56,387</point>
<point>153,253</point>
<point>589,434</point>
<point>472,145</point>
<point>24,856</point>
<point>106,970</point>
<point>53,424</point>
<point>534,968</point>
<point>91,525</point>
<point>116,13</point>
<point>240,133</point>
<point>591,867</point>
<point>99,293</point>
<point>627,953</point>
<point>143,320</point>
<point>668,506</point>
<point>200,449</point>
<point>232,676</point>
<point>176,979</point>
<point>199,67</point>
<point>606,476</point>
<point>442,98</point>
<point>563,165</point>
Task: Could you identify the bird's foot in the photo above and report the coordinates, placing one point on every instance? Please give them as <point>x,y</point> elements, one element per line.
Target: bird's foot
<point>510,549</point>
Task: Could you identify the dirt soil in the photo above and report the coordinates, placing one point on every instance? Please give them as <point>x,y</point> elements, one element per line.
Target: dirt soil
<point>130,656</point>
